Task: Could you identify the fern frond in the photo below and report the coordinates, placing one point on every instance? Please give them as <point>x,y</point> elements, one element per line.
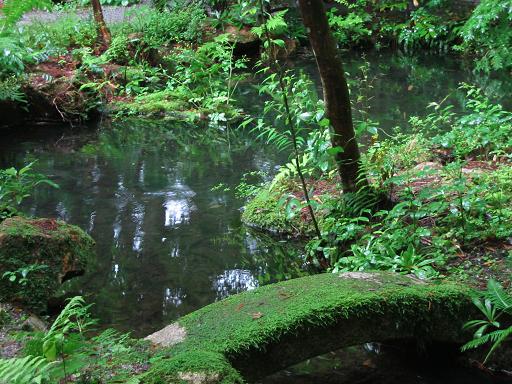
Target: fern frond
<point>498,296</point>
<point>74,317</point>
<point>355,204</point>
<point>498,338</point>
<point>26,370</point>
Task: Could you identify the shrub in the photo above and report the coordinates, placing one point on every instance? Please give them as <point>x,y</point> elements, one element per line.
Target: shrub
<point>487,32</point>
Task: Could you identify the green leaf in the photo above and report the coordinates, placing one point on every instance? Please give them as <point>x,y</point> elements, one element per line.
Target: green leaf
<point>50,350</point>
<point>334,150</point>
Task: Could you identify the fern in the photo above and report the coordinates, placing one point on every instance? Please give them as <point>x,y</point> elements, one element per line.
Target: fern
<point>487,32</point>
<point>26,370</point>
<point>74,317</point>
<point>498,297</point>
<point>357,204</point>
<point>10,89</point>
<point>496,303</point>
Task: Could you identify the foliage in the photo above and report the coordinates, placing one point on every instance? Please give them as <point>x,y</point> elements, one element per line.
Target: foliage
<point>16,54</point>
<point>123,3</point>
<point>203,81</point>
<point>487,32</point>
<point>69,31</point>
<point>118,51</point>
<point>64,354</point>
<point>26,370</point>
<point>307,113</point>
<point>12,57</point>
<point>42,366</point>
<point>484,130</point>
<point>350,29</point>
<point>13,10</point>
<point>423,226</point>
<point>10,89</point>
<point>432,24</point>
<point>430,27</point>
<point>21,275</point>
<point>16,186</point>
<point>182,24</point>
<point>494,303</point>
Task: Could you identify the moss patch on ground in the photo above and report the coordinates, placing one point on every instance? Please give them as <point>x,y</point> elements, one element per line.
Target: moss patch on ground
<point>36,256</point>
<point>296,317</point>
<point>264,212</point>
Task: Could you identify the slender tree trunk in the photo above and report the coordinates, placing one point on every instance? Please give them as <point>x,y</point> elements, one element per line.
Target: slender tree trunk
<point>335,88</point>
<point>104,36</point>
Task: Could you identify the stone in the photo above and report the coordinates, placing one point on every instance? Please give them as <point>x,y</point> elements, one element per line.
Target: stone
<point>41,254</point>
<point>170,335</point>
<point>34,324</point>
<point>301,318</point>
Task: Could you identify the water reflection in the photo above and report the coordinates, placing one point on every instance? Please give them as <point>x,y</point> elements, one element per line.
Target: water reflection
<point>234,281</point>
<point>166,243</point>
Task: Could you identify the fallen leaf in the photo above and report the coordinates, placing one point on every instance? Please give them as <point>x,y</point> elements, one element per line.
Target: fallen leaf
<point>240,306</point>
<point>257,315</point>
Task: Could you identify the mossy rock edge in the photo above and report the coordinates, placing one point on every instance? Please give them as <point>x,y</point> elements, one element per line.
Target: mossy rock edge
<point>264,213</point>
<point>59,251</point>
<point>272,327</point>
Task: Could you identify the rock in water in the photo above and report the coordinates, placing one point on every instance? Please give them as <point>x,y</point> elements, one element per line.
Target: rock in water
<point>36,256</point>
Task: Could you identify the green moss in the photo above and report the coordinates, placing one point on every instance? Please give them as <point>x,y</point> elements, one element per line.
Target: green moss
<point>54,245</point>
<point>202,363</point>
<point>255,321</point>
<point>156,103</point>
<point>319,299</point>
<point>264,212</point>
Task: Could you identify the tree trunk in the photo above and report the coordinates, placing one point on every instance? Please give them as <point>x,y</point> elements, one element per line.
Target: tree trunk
<point>104,36</point>
<point>335,88</point>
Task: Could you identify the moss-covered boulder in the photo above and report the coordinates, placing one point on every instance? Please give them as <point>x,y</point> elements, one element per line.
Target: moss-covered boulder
<point>275,326</point>
<point>36,256</point>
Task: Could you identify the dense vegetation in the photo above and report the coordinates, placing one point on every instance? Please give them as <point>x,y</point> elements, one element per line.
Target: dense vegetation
<point>432,198</point>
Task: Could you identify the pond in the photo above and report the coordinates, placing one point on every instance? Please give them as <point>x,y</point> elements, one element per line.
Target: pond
<point>166,243</point>
<point>159,197</point>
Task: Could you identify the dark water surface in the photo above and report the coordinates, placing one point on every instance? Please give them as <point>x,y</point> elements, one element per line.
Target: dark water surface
<point>166,243</point>
<point>380,364</point>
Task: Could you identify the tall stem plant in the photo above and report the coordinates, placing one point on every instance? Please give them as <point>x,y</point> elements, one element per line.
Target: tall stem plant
<point>272,55</point>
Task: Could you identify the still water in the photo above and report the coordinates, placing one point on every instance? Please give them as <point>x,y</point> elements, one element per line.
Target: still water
<point>159,199</point>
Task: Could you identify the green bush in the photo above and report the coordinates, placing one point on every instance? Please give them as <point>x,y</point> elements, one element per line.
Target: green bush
<point>161,28</point>
<point>66,32</point>
<point>123,3</point>
<point>16,186</point>
<point>10,89</point>
<point>488,33</point>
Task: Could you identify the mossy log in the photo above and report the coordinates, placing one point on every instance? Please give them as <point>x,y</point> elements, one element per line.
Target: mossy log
<point>253,334</point>
<point>47,251</point>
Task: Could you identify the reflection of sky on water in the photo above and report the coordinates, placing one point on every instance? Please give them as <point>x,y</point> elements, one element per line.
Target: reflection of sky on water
<point>178,204</point>
<point>62,212</point>
<point>234,281</point>
<point>173,298</point>
<point>138,218</point>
